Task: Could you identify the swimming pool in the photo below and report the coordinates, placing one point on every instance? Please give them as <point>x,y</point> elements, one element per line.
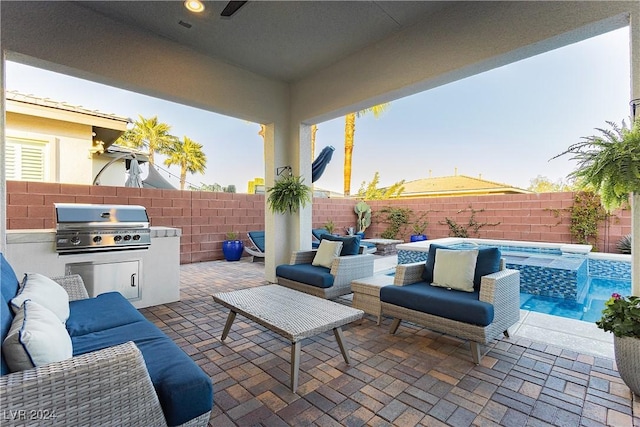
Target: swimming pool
<point>562,280</point>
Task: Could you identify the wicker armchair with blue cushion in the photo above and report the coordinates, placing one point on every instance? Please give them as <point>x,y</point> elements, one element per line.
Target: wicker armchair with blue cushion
<point>365,247</point>
<point>328,271</point>
<point>465,293</point>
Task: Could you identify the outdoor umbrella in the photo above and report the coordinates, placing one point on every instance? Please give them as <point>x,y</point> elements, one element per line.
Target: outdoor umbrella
<point>321,162</point>
<point>134,180</point>
<point>155,180</point>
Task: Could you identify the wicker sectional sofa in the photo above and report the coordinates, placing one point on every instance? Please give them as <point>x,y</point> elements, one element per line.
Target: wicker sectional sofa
<point>124,370</point>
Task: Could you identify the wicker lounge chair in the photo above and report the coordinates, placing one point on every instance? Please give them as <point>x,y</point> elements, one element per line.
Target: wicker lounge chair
<point>343,270</point>
<point>365,247</point>
<point>257,250</point>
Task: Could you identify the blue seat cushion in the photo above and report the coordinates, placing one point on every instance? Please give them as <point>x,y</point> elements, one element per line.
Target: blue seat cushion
<point>318,232</point>
<point>442,302</point>
<point>9,284</point>
<point>488,262</point>
<point>102,312</point>
<point>257,237</point>
<point>313,275</point>
<point>350,244</point>
<point>184,390</point>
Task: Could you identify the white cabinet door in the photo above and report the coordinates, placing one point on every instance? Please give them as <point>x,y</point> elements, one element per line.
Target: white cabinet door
<point>123,277</point>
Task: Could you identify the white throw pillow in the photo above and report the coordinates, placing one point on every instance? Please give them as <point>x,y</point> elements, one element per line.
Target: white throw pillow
<point>327,252</point>
<point>36,337</point>
<point>455,269</point>
<point>44,291</point>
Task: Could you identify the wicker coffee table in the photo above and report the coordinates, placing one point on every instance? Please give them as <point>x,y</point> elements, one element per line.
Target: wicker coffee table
<point>291,314</point>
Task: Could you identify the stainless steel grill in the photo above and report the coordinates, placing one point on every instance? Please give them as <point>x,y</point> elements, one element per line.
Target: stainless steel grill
<point>88,228</point>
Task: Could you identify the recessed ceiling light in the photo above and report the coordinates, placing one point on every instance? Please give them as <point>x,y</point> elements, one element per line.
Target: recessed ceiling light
<point>194,5</point>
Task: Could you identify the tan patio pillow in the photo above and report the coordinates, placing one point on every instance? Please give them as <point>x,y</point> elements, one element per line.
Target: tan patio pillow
<point>455,269</point>
<point>327,252</point>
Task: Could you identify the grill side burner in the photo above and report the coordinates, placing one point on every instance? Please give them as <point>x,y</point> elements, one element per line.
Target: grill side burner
<point>89,227</point>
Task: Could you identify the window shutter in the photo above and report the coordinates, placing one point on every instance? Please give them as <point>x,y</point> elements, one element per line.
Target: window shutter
<point>32,165</point>
<point>25,160</point>
<point>10,161</point>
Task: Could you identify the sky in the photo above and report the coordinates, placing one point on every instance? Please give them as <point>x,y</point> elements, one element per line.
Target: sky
<point>503,125</point>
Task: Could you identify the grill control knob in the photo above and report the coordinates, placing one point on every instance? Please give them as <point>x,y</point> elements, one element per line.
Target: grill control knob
<point>136,237</point>
<point>117,238</point>
<point>97,239</point>
<point>75,240</point>
<point>127,238</point>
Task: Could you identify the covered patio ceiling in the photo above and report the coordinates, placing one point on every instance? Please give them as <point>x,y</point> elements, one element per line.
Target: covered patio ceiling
<point>282,40</point>
<point>294,63</point>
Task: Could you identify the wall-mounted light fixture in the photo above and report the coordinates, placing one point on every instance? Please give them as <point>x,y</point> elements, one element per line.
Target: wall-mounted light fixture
<point>284,169</point>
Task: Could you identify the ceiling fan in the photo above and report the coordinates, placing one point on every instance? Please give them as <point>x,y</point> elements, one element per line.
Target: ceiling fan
<point>231,8</point>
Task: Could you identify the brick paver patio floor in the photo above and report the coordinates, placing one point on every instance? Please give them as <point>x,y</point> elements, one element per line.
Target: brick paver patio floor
<point>416,377</point>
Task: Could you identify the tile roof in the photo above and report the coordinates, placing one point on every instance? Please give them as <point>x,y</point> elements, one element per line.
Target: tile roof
<point>12,95</point>
<point>456,185</point>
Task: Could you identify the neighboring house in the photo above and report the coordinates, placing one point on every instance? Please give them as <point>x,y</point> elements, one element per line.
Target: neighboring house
<point>52,141</point>
<point>457,185</point>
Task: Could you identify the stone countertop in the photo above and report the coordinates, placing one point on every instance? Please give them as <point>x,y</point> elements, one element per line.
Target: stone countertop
<point>49,234</point>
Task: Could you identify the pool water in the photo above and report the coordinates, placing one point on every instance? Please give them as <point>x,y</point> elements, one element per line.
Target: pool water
<point>598,292</point>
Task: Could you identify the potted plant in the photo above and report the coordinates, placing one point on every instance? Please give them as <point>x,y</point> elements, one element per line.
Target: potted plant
<point>418,227</point>
<point>288,194</point>
<point>622,317</point>
<point>330,226</point>
<point>363,210</point>
<point>232,247</point>
<point>609,164</point>
<point>624,244</point>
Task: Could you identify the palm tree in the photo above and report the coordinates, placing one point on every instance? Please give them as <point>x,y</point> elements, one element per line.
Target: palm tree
<point>149,134</point>
<point>349,133</point>
<point>188,155</point>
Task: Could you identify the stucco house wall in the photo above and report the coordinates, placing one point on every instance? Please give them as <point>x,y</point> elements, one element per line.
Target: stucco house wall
<point>70,155</point>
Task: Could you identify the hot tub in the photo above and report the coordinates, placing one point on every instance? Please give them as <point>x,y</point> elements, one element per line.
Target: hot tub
<point>548,269</point>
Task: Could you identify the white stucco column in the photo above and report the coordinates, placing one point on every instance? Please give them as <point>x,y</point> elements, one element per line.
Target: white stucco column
<point>3,178</point>
<point>634,48</point>
<point>286,145</point>
<point>304,160</point>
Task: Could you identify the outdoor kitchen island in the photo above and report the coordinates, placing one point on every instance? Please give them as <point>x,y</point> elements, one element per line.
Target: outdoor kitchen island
<point>157,267</point>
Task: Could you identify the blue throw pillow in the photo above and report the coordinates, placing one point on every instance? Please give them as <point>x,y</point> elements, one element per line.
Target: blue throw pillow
<point>427,274</point>
<point>488,262</point>
<point>350,244</point>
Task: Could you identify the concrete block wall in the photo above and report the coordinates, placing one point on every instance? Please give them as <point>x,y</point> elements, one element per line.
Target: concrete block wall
<point>206,217</point>
<point>526,217</point>
<point>203,217</point>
